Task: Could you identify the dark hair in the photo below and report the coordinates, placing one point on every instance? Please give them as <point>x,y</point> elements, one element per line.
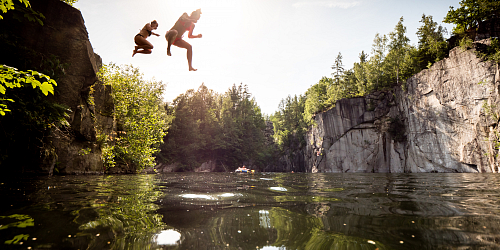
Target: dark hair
<point>154,22</point>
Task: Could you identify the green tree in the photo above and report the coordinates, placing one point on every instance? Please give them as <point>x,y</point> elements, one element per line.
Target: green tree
<point>398,48</point>
<point>226,128</point>
<point>243,123</point>
<point>344,83</point>
<point>471,13</point>
<point>316,98</point>
<point>140,121</point>
<point>432,45</point>
<point>338,69</point>
<point>194,129</point>
<point>376,65</point>
<point>360,71</point>
<point>289,124</point>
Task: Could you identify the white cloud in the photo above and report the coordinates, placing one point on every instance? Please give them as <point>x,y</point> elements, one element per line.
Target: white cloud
<point>344,4</point>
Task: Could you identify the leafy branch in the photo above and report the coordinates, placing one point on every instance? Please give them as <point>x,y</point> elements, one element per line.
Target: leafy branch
<point>11,78</point>
<point>6,5</point>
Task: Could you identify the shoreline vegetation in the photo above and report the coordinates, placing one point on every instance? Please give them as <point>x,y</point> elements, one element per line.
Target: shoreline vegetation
<point>226,128</point>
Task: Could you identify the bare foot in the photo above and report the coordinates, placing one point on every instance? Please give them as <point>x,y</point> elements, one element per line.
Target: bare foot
<point>192,69</point>
<point>168,53</point>
<point>135,52</point>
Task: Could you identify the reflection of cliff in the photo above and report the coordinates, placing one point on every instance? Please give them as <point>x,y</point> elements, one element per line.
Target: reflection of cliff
<point>444,122</point>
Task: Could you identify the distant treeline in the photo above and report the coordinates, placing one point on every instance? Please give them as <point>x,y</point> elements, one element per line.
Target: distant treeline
<point>225,128</point>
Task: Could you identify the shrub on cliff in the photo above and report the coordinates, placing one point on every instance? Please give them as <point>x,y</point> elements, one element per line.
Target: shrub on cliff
<point>140,120</point>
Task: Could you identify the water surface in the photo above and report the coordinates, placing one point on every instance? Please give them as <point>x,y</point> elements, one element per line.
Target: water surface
<point>251,211</point>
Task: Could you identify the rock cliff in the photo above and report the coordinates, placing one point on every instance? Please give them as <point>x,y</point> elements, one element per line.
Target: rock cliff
<point>63,38</point>
<point>444,121</point>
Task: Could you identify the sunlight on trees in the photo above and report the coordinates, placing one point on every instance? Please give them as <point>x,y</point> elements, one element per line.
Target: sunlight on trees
<point>140,118</point>
<point>210,126</point>
<point>290,124</point>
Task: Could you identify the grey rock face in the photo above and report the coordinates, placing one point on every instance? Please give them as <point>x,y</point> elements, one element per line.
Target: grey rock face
<point>446,115</point>
<point>354,137</point>
<point>444,122</point>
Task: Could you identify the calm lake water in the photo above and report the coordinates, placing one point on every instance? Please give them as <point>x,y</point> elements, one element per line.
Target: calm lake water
<point>252,211</point>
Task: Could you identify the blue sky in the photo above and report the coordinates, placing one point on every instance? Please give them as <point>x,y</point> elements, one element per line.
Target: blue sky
<point>276,47</point>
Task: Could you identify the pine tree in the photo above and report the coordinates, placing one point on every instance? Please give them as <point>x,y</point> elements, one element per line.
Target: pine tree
<point>338,68</point>
<point>398,47</point>
<point>375,66</point>
<point>432,45</point>
<point>361,74</point>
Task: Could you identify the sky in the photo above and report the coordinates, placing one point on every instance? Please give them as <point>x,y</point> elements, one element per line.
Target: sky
<point>275,47</point>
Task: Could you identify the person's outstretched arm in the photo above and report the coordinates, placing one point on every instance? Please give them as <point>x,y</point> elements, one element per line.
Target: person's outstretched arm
<point>190,34</point>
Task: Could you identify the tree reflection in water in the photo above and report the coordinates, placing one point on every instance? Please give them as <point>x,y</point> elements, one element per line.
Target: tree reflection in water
<point>127,212</point>
<point>259,211</point>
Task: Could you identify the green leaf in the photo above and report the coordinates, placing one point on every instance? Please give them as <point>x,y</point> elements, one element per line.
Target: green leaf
<point>46,87</point>
<point>17,239</point>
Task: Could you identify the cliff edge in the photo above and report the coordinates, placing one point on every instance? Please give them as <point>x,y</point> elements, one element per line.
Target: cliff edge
<point>445,121</point>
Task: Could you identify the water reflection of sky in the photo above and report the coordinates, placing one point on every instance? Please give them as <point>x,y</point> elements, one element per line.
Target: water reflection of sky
<point>168,237</point>
<point>198,196</point>
<point>208,197</point>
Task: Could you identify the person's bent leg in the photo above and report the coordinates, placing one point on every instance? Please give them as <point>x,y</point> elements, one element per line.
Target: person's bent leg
<point>183,44</point>
<point>143,46</point>
<point>170,36</point>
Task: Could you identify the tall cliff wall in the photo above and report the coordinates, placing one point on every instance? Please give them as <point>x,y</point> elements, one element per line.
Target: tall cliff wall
<point>64,39</point>
<point>443,122</point>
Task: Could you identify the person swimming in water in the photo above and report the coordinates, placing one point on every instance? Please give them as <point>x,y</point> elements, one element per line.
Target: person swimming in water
<point>174,35</point>
<point>143,45</point>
